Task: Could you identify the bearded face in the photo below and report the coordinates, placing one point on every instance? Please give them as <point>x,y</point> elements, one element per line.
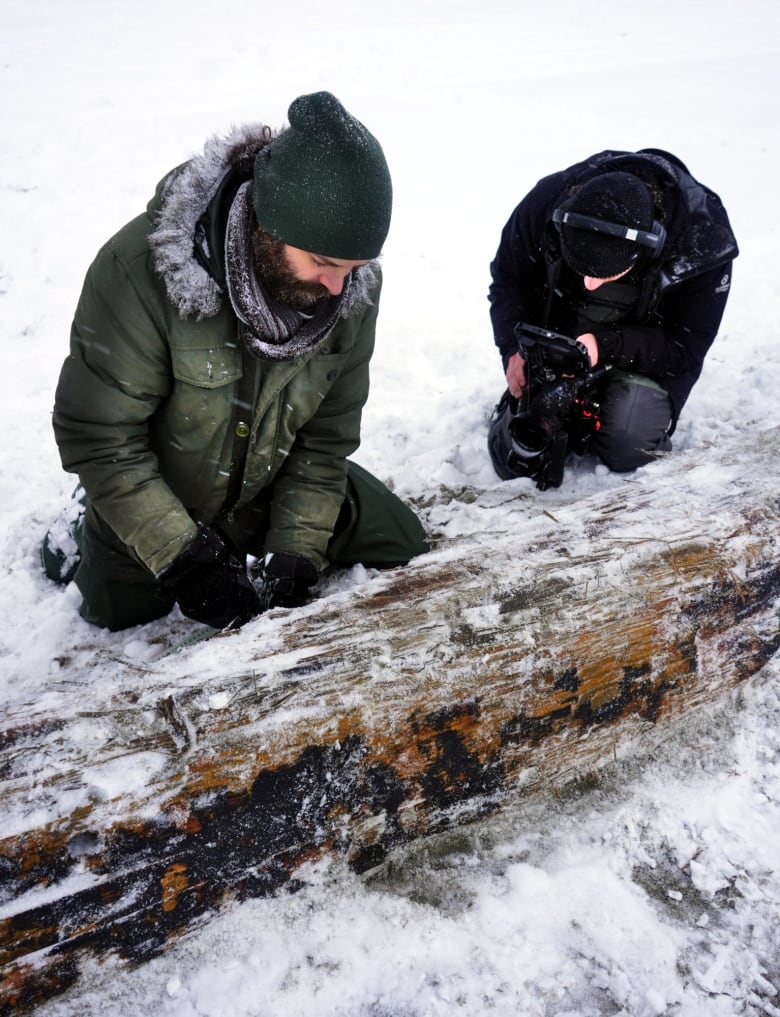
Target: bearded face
<point>278,277</point>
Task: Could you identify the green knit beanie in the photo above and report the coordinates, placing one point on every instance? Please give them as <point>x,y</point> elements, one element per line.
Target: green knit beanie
<point>323,185</point>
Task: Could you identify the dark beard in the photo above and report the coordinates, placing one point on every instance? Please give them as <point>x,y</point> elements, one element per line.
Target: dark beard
<point>280,282</point>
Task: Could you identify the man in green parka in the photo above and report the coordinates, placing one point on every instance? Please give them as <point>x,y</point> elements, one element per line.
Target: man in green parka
<point>217,371</point>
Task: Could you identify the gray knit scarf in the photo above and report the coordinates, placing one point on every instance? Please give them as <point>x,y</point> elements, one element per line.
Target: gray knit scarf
<point>276,332</point>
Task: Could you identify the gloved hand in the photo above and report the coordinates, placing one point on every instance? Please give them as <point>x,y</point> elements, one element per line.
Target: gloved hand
<point>210,582</point>
<point>285,580</point>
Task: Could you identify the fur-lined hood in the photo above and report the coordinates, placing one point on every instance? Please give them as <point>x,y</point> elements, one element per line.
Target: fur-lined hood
<point>188,196</point>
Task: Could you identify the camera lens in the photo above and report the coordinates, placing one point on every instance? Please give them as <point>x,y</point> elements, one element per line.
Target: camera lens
<point>531,436</point>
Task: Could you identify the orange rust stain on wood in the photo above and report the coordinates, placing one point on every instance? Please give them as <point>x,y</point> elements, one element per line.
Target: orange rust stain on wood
<point>697,561</point>
<point>463,719</point>
<point>30,856</point>
<point>14,946</point>
<point>26,851</point>
<point>14,984</point>
<point>228,769</point>
<point>174,881</point>
<point>27,985</point>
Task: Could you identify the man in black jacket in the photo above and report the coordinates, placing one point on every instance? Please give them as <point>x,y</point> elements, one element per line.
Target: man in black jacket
<point>631,255</point>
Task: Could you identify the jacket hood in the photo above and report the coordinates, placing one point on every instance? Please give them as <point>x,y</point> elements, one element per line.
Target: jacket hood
<point>189,213</point>
<point>699,235</point>
<point>181,199</point>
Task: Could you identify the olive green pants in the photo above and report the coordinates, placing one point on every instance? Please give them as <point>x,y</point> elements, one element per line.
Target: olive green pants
<point>374,528</point>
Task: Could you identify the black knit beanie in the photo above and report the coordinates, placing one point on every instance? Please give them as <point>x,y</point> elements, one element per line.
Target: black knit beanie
<point>614,198</point>
<point>323,185</point>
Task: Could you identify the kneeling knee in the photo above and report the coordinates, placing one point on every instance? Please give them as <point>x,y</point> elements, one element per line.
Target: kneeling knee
<point>635,421</point>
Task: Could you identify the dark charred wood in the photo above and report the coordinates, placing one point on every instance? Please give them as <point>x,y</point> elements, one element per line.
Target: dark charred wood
<point>431,697</point>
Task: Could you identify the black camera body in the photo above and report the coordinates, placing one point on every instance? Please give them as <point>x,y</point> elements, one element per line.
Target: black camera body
<point>559,412</point>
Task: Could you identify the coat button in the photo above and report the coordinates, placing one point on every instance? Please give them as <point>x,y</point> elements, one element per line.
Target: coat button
<point>242,429</point>
<point>332,375</point>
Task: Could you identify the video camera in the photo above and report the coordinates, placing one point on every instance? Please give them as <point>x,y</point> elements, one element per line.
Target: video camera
<point>559,411</point>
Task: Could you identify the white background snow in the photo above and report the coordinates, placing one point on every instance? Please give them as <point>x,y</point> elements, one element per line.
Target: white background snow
<point>657,892</point>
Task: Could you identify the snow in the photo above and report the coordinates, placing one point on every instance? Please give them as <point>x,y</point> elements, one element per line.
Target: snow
<point>653,891</point>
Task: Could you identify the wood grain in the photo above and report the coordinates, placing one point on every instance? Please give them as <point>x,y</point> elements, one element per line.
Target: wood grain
<point>506,663</point>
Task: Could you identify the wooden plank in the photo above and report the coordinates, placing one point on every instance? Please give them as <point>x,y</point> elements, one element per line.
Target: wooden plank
<point>506,663</point>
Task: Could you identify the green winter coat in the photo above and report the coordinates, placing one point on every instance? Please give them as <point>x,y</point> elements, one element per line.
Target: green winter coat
<point>146,407</point>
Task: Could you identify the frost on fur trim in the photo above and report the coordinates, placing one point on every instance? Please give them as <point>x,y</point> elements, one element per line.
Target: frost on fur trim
<point>185,195</point>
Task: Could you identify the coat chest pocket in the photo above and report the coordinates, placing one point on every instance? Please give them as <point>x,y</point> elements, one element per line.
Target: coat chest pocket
<point>319,374</point>
<point>208,368</point>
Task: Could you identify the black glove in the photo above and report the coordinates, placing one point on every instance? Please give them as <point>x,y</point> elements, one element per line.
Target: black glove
<point>210,582</point>
<point>285,580</point>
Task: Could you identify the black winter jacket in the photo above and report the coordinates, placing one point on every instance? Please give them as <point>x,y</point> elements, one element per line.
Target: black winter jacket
<point>682,292</point>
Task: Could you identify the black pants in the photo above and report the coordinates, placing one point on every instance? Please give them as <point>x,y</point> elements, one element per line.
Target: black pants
<point>374,528</point>
<point>636,418</point>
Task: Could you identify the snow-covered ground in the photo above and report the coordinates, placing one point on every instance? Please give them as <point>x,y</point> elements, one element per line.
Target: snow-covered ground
<point>655,892</point>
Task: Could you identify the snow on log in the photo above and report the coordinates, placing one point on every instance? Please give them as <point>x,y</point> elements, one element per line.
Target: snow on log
<point>139,799</point>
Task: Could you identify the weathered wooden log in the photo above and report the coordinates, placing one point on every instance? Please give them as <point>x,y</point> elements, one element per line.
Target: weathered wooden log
<point>505,663</point>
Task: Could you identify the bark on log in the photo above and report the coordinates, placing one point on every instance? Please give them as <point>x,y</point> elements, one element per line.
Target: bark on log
<point>506,662</point>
